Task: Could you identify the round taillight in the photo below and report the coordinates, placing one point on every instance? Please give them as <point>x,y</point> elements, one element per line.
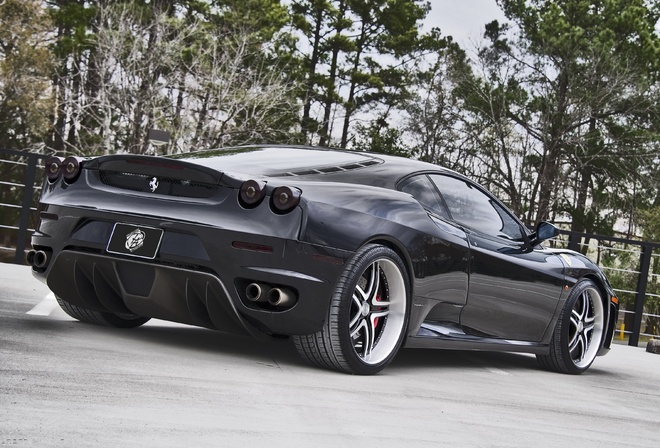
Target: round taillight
<point>285,199</point>
<point>252,193</point>
<point>71,168</point>
<point>53,166</point>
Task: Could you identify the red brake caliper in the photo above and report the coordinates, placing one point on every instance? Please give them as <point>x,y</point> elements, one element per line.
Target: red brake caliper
<point>379,308</point>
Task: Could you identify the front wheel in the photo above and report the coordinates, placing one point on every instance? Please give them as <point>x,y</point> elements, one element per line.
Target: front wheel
<point>579,331</point>
<point>368,315</point>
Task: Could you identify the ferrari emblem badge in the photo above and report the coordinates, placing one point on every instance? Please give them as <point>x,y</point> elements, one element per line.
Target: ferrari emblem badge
<point>135,240</point>
<point>153,184</point>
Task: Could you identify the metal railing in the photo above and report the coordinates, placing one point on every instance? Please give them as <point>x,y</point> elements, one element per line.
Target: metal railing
<point>628,264</point>
<point>19,188</point>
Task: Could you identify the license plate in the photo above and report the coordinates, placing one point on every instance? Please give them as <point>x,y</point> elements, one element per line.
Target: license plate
<point>135,240</point>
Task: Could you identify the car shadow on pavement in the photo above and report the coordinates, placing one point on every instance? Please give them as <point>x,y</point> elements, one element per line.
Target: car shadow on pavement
<point>166,334</point>
<point>212,341</point>
<point>196,339</point>
<point>460,359</point>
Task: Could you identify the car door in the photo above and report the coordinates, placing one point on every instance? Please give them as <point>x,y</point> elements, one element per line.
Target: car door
<point>514,289</point>
<point>440,260</point>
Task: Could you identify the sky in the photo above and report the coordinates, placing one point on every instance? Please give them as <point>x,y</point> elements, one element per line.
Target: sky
<point>462,19</point>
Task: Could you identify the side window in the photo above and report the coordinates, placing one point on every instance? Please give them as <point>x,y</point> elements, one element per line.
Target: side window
<point>476,210</point>
<point>423,190</point>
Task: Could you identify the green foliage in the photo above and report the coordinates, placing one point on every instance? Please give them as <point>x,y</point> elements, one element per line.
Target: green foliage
<point>381,138</point>
<point>25,68</point>
<point>340,71</point>
<point>25,100</point>
<point>558,111</point>
<point>193,67</point>
<point>72,19</point>
<point>578,79</point>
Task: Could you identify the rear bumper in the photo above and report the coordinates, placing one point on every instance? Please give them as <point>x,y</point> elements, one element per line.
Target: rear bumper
<point>198,276</point>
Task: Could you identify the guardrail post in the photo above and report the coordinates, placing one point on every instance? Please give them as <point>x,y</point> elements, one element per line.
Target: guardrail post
<point>30,176</point>
<point>640,296</point>
<point>574,241</point>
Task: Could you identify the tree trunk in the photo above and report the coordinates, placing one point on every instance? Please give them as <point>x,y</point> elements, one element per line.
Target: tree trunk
<point>585,172</point>
<point>138,136</point>
<point>332,78</point>
<point>311,81</point>
<point>547,179</point>
<point>350,104</point>
<point>552,150</point>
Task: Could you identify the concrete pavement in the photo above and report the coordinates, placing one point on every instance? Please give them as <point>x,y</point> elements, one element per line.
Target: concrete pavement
<point>67,384</point>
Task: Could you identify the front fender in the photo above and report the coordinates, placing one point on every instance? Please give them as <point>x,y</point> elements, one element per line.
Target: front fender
<point>578,266</point>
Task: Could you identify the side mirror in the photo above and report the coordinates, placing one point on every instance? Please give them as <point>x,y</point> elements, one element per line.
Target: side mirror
<point>544,231</point>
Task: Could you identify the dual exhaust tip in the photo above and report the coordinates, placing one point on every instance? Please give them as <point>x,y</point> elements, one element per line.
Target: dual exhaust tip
<point>38,259</point>
<point>259,292</point>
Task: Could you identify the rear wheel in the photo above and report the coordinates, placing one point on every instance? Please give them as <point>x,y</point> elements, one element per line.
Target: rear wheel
<point>579,331</point>
<point>368,315</point>
<point>102,318</point>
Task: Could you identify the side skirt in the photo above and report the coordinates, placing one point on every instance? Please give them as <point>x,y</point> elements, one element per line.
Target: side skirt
<point>449,337</point>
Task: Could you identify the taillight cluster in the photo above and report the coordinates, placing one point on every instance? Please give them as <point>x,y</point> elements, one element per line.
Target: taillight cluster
<point>282,199</point>
<point>252,193</point>
<point>68,168</point>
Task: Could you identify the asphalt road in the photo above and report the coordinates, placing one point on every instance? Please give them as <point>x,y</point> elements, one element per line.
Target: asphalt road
<point>69,384</point>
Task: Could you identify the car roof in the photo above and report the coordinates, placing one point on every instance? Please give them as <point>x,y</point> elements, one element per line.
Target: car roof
<point>310,163</point>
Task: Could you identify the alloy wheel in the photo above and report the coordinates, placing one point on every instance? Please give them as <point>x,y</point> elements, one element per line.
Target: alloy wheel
<point>377,312</point>
<point>585,328</point>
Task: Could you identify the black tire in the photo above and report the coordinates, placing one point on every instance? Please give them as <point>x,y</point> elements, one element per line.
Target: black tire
<point>102,318</point>
<point>579,333</point>
<point>361,335</point>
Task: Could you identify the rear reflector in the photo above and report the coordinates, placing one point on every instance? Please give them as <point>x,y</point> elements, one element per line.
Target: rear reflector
<point>252,247</point>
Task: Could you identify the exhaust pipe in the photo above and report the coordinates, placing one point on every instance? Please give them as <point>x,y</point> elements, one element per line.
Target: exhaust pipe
<point>257,292</point>
<point>40,259</point>
<point>281,297</point>
<point>37,259</point>
<point>30,257</point>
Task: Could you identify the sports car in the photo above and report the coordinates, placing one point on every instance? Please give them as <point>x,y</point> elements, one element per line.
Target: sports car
<point>351,255</point>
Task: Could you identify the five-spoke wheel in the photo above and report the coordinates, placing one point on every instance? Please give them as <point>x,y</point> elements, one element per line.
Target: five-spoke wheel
<point>579,331</point>
<point>367,318</point>
<point>377,312</point>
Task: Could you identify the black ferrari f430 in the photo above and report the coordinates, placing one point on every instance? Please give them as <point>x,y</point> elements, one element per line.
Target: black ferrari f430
<point>350,255</point>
